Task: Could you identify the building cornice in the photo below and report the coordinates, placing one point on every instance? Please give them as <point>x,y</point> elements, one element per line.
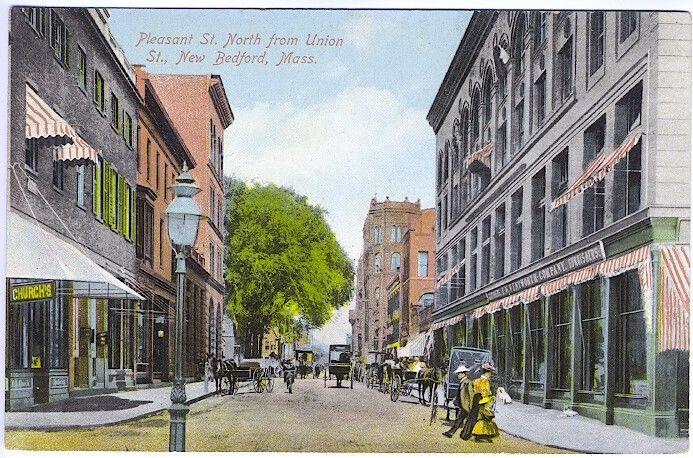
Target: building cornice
<point>474,36</point>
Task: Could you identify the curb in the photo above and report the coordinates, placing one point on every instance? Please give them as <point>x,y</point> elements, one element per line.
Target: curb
<point>111,423</point>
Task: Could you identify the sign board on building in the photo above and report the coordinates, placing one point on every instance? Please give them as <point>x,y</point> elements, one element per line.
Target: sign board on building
<point>593,254</point>
<point>33,291</point>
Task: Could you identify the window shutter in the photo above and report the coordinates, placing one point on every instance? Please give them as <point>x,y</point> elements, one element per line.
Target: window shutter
<point>113,199</point>
<point>126,211</point>
<point>106,186</point>
<point>96,190</point>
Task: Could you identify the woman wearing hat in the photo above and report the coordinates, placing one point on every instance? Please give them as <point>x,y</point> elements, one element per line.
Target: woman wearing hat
<point>463,398</point>
<point>485,428</point>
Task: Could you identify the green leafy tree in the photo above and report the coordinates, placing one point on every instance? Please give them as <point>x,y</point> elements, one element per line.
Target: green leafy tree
<point>283,262</point>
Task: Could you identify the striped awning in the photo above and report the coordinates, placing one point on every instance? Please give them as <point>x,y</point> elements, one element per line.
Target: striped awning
<point>449,322</point>
<point>674,309</point>
<point>43,122</point>
<point>418,346</point>
<point>483,155</point>
<point>597,170</point>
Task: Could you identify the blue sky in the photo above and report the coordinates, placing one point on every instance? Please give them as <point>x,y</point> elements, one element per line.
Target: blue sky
<point>341,130</point>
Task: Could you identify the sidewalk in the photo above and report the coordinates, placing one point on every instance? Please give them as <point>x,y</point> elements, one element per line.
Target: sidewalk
<point>550,427</point>
<point>158,400</point>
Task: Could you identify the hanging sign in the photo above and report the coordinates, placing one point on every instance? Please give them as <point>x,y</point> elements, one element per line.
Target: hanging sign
<point>33,291</point>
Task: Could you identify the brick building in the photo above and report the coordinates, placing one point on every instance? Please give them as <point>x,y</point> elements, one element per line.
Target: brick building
<point>563,211</point>
<point>161,155</point>
<point>380,263</point>
<point>200,111</point>
<point>72,155</point>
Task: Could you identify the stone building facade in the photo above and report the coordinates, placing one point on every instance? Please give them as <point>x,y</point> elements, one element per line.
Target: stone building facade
<point>72,177</point>
<point>563,211</point>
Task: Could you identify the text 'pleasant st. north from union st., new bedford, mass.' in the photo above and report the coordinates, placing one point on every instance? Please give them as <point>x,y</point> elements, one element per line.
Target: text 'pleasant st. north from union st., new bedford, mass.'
<point>229,48</point>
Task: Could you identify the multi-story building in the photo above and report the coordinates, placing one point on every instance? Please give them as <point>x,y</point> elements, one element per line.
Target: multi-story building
<point>379,264</point>
<point>563,211</point>
<point>200,111</point>
<point>161,155</point>
<point>70,228</point>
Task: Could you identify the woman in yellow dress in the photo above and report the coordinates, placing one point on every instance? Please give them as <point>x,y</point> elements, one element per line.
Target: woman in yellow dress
<point>485,428</point>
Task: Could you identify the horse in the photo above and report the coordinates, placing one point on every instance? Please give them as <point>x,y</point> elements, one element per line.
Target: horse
<point>429,376</point>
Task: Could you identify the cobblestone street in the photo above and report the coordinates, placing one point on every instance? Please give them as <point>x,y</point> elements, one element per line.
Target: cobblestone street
<point>312,419</point>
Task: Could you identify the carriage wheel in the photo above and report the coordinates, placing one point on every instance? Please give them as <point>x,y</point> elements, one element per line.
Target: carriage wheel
<point>258,384</point>
<point>396,388</point>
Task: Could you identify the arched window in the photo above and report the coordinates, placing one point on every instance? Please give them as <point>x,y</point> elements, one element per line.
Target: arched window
<point>396,262</point>
<point>475,119</point>
<point>540,19</point>
<point>377,294</point>
<point>464,138</point>
<point>377,260</point>
<point>518,45</point>
<point>455,145</point>
<point>488,86</point>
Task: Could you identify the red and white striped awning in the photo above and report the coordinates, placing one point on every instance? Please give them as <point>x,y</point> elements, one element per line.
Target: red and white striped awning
<point>674,309</point>
<point>43,122</point>
<point>483,155</point>
<point>597,170</point>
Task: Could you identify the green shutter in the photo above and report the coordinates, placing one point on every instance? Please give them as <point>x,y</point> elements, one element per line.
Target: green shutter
<point>106,210</point>
<point>96,190</point>
<point>112,198</point>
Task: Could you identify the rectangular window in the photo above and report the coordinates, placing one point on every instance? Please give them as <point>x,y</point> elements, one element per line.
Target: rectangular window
<point>516,319</point>
<point>58,174</point>
<point>80,184</point>
<point>423,264</point>
<point>502,146</point>
<point>537,365</point>
<point>378,235</point>
<point>628,23</point>
<point>37,19</point>
<point>516,231</point>
<point>631,337</point>
<point>628,114</point>
<point>540,98</point>
<point>499,347</point>
<point>596,37</point>
<point>565,67</point>
<point>561,319</point>
<point>461,285</point>
<point>127,131</point>
<point>31,154</point>
<point>593,197</point>
<point>148,159</point>
<point>99,91</point>
<point>559,183</point>
<point>157,170</point>
<point>145,229</point>
<point>538,215</point>
<point>116,121</point>
<point>519,125</point>
<point>499,243</point>
<point>473,267</point>
<point>60,39</point>
<point>161,242</point>
<point>445,212</point>
<point>81,68</point>
<point>592,330</point>
<point>486,251</point>
<point>628,183</point>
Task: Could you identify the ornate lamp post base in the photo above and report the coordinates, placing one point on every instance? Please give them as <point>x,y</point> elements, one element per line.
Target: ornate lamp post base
<point>178,412</point>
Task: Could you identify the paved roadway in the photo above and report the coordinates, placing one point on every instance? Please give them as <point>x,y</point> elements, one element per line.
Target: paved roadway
<point>312,419</point>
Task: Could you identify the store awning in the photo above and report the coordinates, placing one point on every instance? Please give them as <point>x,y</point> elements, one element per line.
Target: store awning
<point>483,156</point>
<point>449,322</point>
<point>36,253</point>
<point>43,122</point>
<point>418,346</point>
<point>674,318</point>
<point>597,170</point>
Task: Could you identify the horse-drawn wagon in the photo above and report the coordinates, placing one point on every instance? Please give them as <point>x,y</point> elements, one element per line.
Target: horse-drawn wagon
<point>248,372</point>
<point>340,364</point>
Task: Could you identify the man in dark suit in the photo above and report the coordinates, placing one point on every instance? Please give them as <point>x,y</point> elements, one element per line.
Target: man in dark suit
<point>463,399</point>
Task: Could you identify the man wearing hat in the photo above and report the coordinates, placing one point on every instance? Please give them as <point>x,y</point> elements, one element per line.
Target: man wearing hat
<point>463,398</point>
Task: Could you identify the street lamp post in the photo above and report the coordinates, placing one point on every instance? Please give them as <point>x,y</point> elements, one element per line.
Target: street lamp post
<point>183,216</point>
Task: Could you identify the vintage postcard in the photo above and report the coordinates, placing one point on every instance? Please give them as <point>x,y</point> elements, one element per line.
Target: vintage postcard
<point>347,230</point>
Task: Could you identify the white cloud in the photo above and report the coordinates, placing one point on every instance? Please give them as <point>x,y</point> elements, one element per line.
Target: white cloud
<point>338,152</point>
<point>365,31</point>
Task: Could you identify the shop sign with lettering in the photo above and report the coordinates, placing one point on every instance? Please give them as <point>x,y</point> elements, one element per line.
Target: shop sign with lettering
<point>33,292</point>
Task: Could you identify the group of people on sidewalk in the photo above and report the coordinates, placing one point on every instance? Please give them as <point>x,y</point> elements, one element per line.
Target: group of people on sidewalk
<point>474,399</point>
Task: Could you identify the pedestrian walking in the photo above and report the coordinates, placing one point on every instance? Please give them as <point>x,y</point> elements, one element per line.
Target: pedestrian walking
<point>462,400</point>
<point>208,370</point>
<point>485,428</point>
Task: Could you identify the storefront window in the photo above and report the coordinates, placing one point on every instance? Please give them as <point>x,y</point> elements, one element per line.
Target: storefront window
<point>516,320</point>
<point>631,348</point>
<point>499,347</point>
<point>459,333</point>
<point>592,317</point>
<point>120,330</point>
<point>19,330</point>
<point>58,332</point>
<point>537,365</point>
<point>562,347</point>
